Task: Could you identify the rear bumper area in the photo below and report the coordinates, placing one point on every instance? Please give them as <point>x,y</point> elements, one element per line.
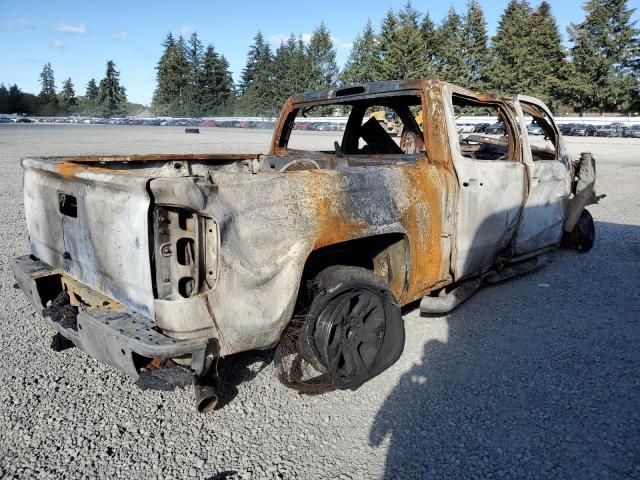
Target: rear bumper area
<point>106,331</point>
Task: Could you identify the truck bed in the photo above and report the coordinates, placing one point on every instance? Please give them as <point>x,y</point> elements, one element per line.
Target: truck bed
<point>89,216</point>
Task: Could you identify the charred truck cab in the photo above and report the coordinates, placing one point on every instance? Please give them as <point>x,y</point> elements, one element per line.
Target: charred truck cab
<point>145,258</point>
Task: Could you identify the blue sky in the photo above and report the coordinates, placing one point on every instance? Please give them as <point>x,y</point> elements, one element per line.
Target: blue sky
<point>78,37</point>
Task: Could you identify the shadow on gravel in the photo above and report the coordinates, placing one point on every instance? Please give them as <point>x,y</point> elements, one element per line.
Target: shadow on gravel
<point>228,474</point>
<point>237,369</point>
<point>534,381</point>
<point>232,371</point>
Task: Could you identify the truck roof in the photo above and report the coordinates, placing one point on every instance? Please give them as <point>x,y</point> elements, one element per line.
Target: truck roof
<point>361,90</point>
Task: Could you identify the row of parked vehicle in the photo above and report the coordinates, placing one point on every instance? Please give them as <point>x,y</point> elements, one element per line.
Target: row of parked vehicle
<point>320,126</point>
<point>489,128</point>
<point>15,120</point>
<point>610,130</point>
<point>570,129</point>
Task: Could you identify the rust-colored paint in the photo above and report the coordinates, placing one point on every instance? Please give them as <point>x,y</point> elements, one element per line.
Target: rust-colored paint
<point>423,222</point>
<point>80,295</point>
<point>332,224</point>
<point>436,137</point>
<point>69,169</point>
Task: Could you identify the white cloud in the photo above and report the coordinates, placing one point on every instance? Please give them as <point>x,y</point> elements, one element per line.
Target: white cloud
<point>306,38</point>
<point>57,44</point>
<point>119,35</point>
<point>186,30</point>
<point>345,46</point>
<point>75,29</point>
<point>277,39</point>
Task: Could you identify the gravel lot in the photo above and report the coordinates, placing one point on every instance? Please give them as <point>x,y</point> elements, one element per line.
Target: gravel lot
<point>538,377</point>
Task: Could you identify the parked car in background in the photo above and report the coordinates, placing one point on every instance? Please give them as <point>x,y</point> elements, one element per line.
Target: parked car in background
<point>465,128</point>
<point>534,129</point>
<point>632,131</point>
<point>565,128</point>
<point>612,130</point>
<point>579,130</point>
<point>5,120</point>
<point>495,129</point>
<point>323,127</point>
<point>479,127</point>
<point>23,120</point>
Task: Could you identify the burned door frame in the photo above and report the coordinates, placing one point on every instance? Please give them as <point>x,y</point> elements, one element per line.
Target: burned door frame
<point>491,193</point>
<point>549,187</point>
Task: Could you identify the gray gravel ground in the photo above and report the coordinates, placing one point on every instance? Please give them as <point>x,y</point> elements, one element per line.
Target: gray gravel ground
<point>538,377</point>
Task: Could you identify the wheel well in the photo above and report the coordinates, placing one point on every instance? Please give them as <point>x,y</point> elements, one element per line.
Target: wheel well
<point>386,255</point>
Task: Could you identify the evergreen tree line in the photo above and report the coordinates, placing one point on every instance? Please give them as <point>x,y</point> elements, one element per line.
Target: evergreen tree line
<point>599,72</point>
<point>192,81</point>
<point>107,98</point>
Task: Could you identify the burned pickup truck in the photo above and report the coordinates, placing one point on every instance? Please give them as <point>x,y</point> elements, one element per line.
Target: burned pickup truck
<point>144,258</point>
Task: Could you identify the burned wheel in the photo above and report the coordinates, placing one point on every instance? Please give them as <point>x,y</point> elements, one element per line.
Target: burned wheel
<point>349,332</point>
<point>354,328</point>
<point>583,235</point>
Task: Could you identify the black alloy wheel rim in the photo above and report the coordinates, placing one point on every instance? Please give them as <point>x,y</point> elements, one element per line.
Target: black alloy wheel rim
<point>350,331</point>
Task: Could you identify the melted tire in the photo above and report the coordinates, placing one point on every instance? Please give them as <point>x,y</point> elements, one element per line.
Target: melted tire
<point>354,329</point>
<point>583,235</point>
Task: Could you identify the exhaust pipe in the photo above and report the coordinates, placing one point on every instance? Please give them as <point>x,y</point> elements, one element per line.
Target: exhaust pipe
<point>206,393</point>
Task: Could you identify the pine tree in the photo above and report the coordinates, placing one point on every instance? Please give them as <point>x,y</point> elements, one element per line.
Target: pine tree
<point>281,73</point>
<point>112,98</point>
<point>547,53</point>
<point>209,89</point>
<point>195,52</point>
<point>406,57</point>
<point>92,90</point>
<point>16,100</point>
<point>173,71</point>
<point>450,53</point>
<point>431,46</point>
<point>387,38</point>
<point>322,59</point>
<point>299,65</point>
<point>48,99</point>
<point>258,61</point>
<point>224,81</point>
<point>605,45</point>
<point>256,84</point>
<point>364,63</point>
<point>68,99</point>
<point>216,82</point>
<point>4,99</point>
<point>48,91</point>
<point>510,69</point>
<point>474,46</point>
<point>89,104</point>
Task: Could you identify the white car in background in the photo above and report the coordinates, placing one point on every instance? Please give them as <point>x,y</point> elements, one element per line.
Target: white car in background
<point>465,128</point>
